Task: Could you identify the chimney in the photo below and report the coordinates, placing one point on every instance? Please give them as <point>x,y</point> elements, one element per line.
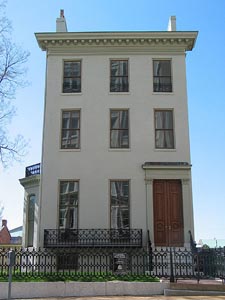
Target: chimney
<point>61,22</point>
<point>172,24</point>
<point>4,223</point>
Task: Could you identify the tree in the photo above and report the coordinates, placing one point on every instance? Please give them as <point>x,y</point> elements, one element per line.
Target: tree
<point>1,211</point>
<point>12,70</point>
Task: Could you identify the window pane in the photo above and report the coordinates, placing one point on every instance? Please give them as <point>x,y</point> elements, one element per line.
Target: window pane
<point>71,85</point>
<point>124,84</point>
<point>168,120</point>
<point>115,68</point>
<point>169,140</point>
<point>75,119</point>
<point>71,69</point>
<point>124,68</point>
<point>124,139</point>
<point>115,139</point>
<point>162,68</point>
<point>164,139</point>
<point>164,120</point>
<point>124,119</point>
<point>66,120</point>
<point>115,119</point>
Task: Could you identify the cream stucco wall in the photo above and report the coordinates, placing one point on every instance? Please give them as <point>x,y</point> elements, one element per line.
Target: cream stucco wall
<point>95,164</point>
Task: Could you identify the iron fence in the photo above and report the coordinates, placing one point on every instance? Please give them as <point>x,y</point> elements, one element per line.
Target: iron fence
<point>167,263</point>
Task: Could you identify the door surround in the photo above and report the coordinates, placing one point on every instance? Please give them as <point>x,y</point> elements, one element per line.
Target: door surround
<point>169,171</point>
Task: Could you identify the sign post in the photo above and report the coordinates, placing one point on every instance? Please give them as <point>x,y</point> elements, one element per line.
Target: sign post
<point>11,263</point>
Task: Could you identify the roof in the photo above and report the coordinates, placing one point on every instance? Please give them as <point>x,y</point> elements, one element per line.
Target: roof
<point>16,231</point>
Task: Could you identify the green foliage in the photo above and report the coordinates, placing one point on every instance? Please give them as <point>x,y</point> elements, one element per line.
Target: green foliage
<point>81,277</point>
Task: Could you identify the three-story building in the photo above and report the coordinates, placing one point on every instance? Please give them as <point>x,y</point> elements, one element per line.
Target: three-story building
<point>116,167</point>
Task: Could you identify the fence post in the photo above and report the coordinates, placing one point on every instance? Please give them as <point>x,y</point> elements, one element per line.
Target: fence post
<point>171,266</point>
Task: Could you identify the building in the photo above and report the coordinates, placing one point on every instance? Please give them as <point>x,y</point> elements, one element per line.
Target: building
<point>5,237</point>
<point>116,167</point>
<point>16,235</point>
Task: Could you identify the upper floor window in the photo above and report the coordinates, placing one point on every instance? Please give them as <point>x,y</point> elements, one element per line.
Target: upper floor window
<point>72,77</point>
<point>164,132</point>
<point>162,79</point>
<point>119,129</point>
<point>68,204</point>
<point>70,136</point>
<point>119,76</point>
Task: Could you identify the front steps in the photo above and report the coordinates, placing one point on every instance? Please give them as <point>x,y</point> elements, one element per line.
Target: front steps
<point>195,289</point>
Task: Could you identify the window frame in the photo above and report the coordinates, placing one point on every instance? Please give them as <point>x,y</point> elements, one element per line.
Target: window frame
<point>128,204</point>
<point>70,129</point>
<point>119,76</point>
<point>72,77</point>
<point>164,90</point>
<point>59,202</point>
<point>164,129</point>
<point>120,129</point>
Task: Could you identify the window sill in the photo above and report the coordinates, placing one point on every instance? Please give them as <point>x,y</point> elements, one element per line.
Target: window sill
<point>119,93</point>
<point>165,150</point>
<point>162,93</point>
<point>71,94</point>
<point>119,149</point>
<point>69,150</point>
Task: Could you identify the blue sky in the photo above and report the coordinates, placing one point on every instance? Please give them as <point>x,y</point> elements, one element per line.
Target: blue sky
<point>205,81</point>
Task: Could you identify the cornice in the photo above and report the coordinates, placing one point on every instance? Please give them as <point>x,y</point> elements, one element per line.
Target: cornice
<point>179,40</point>
<point>30,181</point>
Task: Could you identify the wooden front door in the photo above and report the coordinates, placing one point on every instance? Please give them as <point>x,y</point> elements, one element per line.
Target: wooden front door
<point>168,213</point>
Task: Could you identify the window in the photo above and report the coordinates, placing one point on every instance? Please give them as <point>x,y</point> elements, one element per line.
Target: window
<point>72,77</point>
<point>70,136</point>
<point>30,223</point>
<point>119,76</point>
<point>119,129</point>
<point>68,204</point>
<point>164,133</point>
<point>119,204</point>
<point>162,80</point>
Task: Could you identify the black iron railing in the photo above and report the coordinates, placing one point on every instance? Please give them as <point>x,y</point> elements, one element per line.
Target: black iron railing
<point>170,263</point>
<point>33,170</point>
<point>55,238</point>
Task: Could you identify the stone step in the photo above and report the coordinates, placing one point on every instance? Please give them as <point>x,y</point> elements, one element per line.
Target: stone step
<point>198,287</point>
<point>183,292</point>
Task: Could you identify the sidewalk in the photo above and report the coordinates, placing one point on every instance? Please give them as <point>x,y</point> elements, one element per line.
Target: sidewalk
<point>137,298</point>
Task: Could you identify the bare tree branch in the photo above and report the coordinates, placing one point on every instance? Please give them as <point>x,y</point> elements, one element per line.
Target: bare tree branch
<point>1,210</point>
<point>12,71</point>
